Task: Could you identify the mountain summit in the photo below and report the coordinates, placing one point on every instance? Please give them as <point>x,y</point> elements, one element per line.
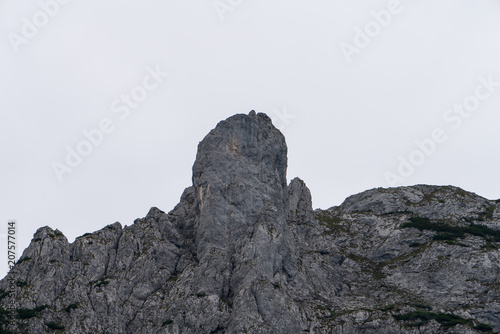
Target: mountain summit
<point>244,252</point>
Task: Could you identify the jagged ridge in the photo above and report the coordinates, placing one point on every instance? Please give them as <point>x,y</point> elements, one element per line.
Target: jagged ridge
<point>245,252</point>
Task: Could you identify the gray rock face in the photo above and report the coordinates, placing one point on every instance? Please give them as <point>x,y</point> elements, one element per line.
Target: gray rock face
<point>243,252</point>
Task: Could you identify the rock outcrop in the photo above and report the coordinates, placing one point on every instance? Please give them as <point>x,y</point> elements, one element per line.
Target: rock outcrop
<point>244,252</point>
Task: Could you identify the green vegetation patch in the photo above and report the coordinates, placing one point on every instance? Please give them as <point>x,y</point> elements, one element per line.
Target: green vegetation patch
<point>4,321</point>
<point>388,308</point>
<point>488,246</point>
<point>100,283</point>
<point>370,266</point>
<point>334,223</point>
<point>26,313</point>
<point>3,316</point>
<point>26,258</point>
<point>54,325</point>
<point>173,278</point>
<point>447,320</point>
<point>40,308</point>
<point>487,213</point>
<point>85,235</point>
<point>21,284</point>
<point>484,328</point>
<point>71,307</point>
<point>167,322</point>
<point>421,306</point>
<point>448,232</point>
<point>419,318</point>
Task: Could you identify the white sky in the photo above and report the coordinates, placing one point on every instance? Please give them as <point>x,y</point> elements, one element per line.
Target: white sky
<point>352,121</point>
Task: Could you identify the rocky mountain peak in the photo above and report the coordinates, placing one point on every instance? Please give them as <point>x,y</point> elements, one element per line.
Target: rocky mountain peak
<point>243,252</point>
<point>242,147</point>
<point>239,182</point>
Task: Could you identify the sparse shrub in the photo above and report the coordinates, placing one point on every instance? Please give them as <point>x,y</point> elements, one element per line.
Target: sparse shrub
<point>444,236</point>
<point>487,213</point>
<point>25,313</point>
<point>173,278</point>
<point>423,317</point>
<point>334,224</point>
<point>444,319</point>
<point>21,284</point>
<point>84,235</point>
<point>167,322</point>
<point>40,308</point>
<point>483,328</point>
<point>483,231</point>
<point>422,306</point>
<point>421,221</point>
<point>101,283</point>
<point>26,258</point>
<point>448,232</point>
<point>329,220</point>
<point>387,308</point>
<point>54,325</point>
<point>4,321</point>
<point>70,307</point>
<point>449,320</point>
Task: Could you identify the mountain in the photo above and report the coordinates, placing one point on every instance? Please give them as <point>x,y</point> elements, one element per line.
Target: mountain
<point>244,252</point>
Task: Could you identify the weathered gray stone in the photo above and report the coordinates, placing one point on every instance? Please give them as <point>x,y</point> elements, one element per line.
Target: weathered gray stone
<point>243,252</point>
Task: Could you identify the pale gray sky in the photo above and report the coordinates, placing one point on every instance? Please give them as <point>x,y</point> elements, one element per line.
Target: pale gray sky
<point>352,84</point>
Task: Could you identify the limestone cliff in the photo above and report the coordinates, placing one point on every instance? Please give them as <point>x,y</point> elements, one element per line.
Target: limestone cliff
<point>244,252</point>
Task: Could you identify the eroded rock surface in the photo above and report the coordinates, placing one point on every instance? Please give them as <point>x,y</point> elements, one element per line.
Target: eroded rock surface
<point>244,252</point>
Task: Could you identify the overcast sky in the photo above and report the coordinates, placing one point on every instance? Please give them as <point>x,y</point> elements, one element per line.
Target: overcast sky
<point>368,94</point>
